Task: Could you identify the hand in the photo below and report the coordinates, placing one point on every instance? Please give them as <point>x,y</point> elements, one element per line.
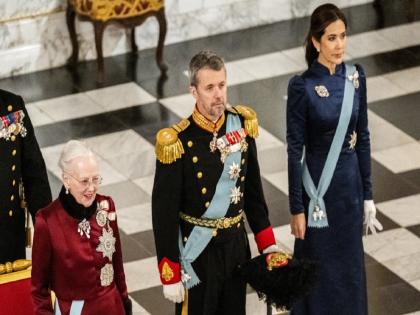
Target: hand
<point>174,292</point>
<point>271,249</point>
<point>370,221</point>
<point>298,225</point>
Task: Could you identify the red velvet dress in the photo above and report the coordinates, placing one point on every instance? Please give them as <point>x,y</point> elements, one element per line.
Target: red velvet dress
<point>70,264</point>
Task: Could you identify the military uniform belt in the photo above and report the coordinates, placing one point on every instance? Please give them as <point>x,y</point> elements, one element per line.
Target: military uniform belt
<point>220,223</point>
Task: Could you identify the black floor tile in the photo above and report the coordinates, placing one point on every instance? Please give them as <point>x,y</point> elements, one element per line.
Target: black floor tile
<point>147,240</point>
<point>412,177</point>
<point>386,222</point>
<point>153,301</point>
<point>403,112</point>
<point>133,247</point>
<point>414,229</point>
<point>383,191</point>
<point>278,204</point>
<point>395,299</point>
<point>84,127</point>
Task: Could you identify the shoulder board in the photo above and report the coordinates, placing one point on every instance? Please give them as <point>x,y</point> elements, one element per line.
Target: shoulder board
<point>168,146</point>
<point>250,119</point>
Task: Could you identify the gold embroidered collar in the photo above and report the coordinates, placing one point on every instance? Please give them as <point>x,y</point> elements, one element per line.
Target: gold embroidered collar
<point>206,124</point>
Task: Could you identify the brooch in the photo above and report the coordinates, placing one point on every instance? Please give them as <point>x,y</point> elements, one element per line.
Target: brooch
<point>354,78</point>
<point>353,140</point>
<point>322,91</point>
<point>84,228</point>
<point>107,275</point>
<point>106,243</point>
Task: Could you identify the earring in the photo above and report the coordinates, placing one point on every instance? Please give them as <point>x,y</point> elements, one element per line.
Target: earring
<point>67,190</point>
<point>317,49</point>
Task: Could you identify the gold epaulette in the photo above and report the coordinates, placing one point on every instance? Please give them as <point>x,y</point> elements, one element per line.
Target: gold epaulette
<point>251,120</point>
<point>168,146</point>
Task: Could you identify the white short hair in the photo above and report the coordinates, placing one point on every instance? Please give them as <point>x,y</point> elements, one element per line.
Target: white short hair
<point>73,149</point>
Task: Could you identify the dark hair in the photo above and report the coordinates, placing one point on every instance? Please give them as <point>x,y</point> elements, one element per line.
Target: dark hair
<point>204,59</point>
<point>322,16</point>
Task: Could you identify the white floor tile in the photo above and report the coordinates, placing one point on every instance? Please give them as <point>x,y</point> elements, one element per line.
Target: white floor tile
<point>138,309</point>
<point>404,211</point>
<point>368,43</point>
<point>266,140</point>
<point>269,65</point>
<point>134,165</point>
<point>69,107</point>
<point>391,244</point>
<point>403,35</point>
<point>134,219</point>
<point>38,117</point>
<point>142,274</point>
<point>408,79</point>
<point>182,105</point>
<point>236,74</point>
<point>145,183</point>
<point>120,96</point>
<point>399,159</point>
<point>279,180</point>
<point>380,88</point>
<point>273,160</point>
<point>125,194</point>
<point>406,267</point>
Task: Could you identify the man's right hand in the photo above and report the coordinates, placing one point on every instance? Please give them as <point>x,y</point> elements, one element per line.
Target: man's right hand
<point>298,225</point>
<point>174,292</point>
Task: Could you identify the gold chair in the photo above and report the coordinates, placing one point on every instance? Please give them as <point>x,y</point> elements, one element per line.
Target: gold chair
<point>127,13</point>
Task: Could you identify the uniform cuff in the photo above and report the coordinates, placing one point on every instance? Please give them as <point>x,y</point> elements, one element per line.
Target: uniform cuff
<point>265,238</point>
<point>169,271</point>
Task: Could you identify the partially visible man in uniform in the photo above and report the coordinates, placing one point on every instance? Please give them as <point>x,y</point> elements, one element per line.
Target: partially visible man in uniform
<point>207,180</point>
<point>22,170</point>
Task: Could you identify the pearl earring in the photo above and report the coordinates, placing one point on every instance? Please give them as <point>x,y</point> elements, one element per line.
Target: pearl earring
<point>67,190</point>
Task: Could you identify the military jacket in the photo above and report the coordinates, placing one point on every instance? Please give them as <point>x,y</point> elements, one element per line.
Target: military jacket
<point>187,184</point>
<point>21,161</point>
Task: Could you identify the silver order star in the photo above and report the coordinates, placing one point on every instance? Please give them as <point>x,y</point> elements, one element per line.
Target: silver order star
<point>235,195</point>
<point>234,171</point>
<point>353,140</point>
<point>106,243</point>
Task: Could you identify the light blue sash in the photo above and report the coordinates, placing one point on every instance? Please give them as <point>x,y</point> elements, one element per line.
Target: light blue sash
<point>201,236</point>
<point>75,309</point>
<point>317,213</point>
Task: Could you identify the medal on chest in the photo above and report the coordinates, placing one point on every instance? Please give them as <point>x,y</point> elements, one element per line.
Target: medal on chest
<point>231,142</point>
<point>12,125</point>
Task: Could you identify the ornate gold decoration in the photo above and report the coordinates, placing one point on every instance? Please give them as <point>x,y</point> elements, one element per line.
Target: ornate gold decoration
<point>220,223</point>
<point>277,260</point>
<point>167,272</point>
<point>104,10</point>
<point>15,276</point>
<point>17,265</point>
<point>168,146</point>
<point>206,124</point>
<point>251,120</point>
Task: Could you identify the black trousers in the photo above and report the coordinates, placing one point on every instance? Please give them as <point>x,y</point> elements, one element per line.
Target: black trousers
<point>220,291</point>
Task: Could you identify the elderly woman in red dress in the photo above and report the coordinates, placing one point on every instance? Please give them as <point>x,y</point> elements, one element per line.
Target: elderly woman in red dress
<point>77,250</point>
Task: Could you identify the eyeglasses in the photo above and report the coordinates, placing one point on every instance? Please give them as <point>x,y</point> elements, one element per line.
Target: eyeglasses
<point>85,182</point>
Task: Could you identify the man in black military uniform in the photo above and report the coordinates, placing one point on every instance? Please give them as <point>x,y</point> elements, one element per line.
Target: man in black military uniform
<point>207,180</point>
<point>21,165</point>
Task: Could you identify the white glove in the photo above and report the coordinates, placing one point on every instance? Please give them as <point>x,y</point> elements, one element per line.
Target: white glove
<point>174,292</point>
<point>271,249</point>
<point>370,221</point>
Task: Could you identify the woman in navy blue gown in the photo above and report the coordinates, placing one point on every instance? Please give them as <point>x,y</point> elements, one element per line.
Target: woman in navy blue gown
<point>313,111</point>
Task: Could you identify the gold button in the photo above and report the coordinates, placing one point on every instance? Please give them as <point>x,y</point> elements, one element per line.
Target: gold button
<point>10,108</point>
<point>243,161</point>
<point>13,168</point>
<point>185,239</point>
<point>199,174</point>
<point>204,190</point>
<point>12,197</point>
<point>207,204</point>
<point>195,159</point>
<point>10,213</point>
<point>14,183</point>
<point>242,178</point>
<point>13,138</point>
<point>14,152</point>
<point>190,144</point>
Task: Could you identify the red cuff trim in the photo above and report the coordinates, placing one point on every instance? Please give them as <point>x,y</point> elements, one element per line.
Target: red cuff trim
<point>169,271</point>
<point>265,238</point>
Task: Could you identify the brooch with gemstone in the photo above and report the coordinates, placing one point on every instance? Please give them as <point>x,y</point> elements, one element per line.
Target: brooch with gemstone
<point>354,78</point>
<point>322,91</point>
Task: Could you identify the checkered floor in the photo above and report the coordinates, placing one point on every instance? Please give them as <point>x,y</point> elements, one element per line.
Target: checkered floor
<point>119,118</point>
